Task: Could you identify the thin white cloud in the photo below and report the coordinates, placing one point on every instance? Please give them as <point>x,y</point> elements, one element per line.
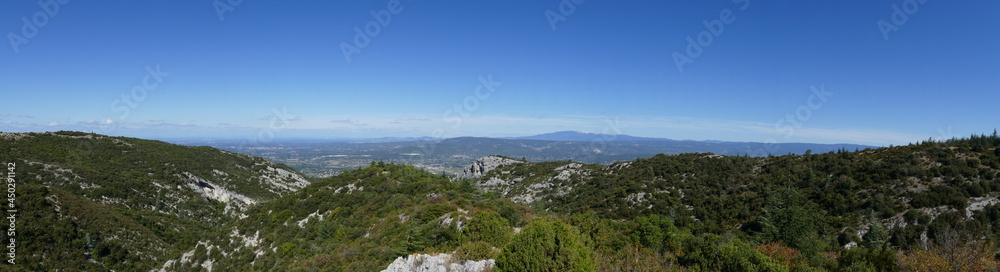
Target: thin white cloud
<point>765,132</point>
<point>290,118</point>
<point>152,123</point>
<point>412,120</point>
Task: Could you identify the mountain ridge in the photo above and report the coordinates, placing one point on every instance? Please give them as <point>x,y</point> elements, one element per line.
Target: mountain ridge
<point>452,154</point>
<point>150,193</point>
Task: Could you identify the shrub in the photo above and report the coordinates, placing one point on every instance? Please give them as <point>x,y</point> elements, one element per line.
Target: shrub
<point>739,256</point>
<point>867,259</point>
<point>476,250</point>
<point>546,246</point>
<point>782,254</point>
<point>489,227</point>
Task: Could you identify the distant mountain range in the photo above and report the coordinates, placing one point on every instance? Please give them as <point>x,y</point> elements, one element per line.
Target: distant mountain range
<point>586,136</point>
<point>450,155</point>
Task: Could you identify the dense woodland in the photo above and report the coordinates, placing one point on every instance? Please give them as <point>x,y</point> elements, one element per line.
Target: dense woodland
<point>930,206</point>
<point>92,202</point>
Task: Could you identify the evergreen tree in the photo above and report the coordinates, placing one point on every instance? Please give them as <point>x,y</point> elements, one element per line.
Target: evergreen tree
<point>876,236</point>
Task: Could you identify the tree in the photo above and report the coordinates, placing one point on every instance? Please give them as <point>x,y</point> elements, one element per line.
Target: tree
<point>489,227</point>
<point>791,220</point>
<point>779,253</point>
<point>656,232</point>
<point>876,236</point>
<point>867,259</point>
<point>477,250</point>
<point>546,245</point>
<point>739,256</point>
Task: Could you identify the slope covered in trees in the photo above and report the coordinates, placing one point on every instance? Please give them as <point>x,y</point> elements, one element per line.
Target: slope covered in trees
<point>93,202</point>
<point>909,199</point>
<point>931,206</point>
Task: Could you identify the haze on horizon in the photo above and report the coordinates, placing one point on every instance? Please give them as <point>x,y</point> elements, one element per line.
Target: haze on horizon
<point>863,72</point>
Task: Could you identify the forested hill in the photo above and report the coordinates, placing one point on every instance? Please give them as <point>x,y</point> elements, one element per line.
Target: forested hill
<point>931,206</point>
<point>899,204</point>
<point>925,207</point>
<point>127,203</point>
<point>727,190</point>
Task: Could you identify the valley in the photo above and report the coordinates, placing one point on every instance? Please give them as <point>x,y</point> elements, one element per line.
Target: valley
<point>449,156</point>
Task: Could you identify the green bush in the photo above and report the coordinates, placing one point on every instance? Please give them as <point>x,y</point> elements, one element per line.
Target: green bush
<point>489,227</point>
<point>546,246</point>
<point>656,232</point>
<point>739,256</point>
<point>867,259</point>
<point>477,250</point>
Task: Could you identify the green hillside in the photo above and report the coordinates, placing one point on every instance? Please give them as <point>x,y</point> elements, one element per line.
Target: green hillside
<point>842,211</point>
<point>931,206</point>
<point>132,203</point>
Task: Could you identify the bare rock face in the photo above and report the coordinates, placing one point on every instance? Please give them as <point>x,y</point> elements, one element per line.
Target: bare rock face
<point>437,263</point>
<point>480,166</point>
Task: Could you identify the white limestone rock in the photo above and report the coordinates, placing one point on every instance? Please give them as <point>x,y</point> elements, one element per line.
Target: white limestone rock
<point>481,166</point>
<point>437,263</point>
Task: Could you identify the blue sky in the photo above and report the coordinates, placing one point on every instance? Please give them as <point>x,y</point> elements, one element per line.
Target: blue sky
<point>798,71</point>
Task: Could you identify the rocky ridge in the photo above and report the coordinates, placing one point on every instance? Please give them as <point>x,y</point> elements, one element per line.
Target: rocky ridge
<point>481,166</point>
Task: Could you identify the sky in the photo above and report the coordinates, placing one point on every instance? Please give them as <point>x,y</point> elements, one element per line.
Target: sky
<point>884,72</point>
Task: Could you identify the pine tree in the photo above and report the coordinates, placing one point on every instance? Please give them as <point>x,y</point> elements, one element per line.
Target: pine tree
<point>876,236</point>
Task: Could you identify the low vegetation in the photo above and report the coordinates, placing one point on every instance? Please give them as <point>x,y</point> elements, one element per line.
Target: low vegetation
<point>930,206</point>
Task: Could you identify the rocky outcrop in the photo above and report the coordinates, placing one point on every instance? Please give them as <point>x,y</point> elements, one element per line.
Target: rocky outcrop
<point>480,166</point>
<point>437,263</point>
